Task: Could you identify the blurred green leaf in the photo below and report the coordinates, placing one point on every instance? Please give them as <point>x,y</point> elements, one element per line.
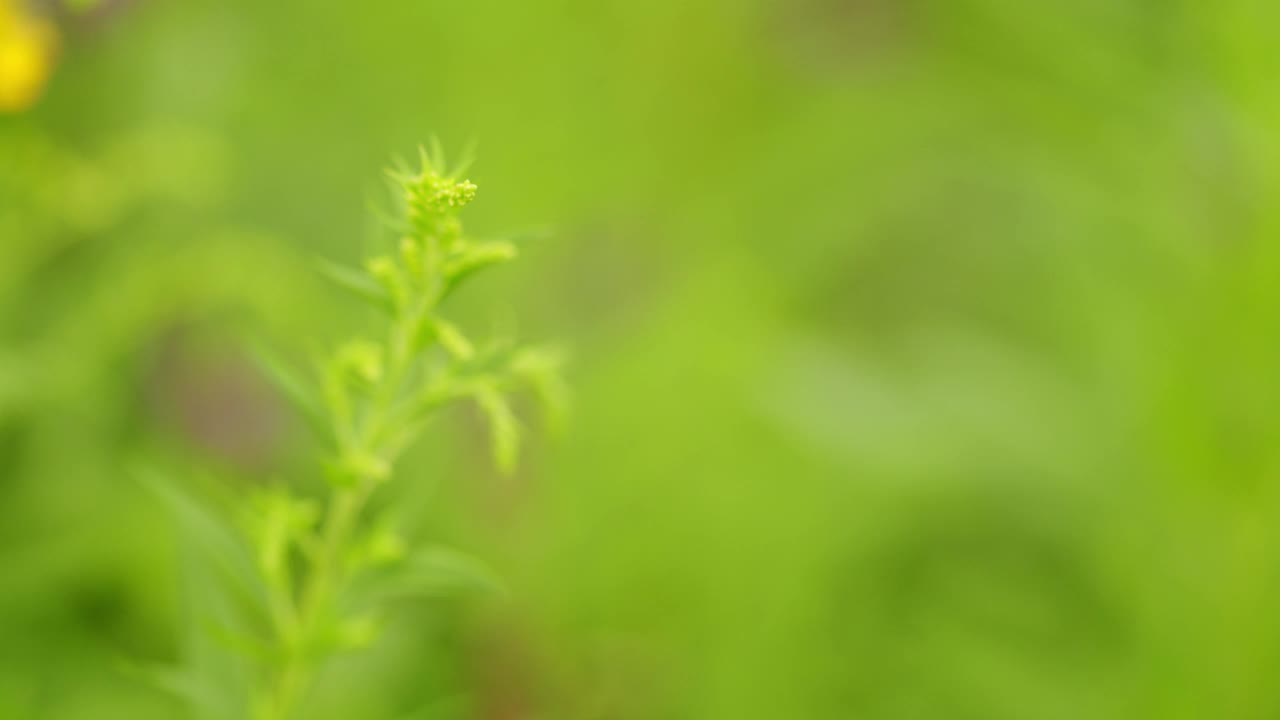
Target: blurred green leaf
<point>430,572</point>
<point>299,392</point>
<point>472,259</point>
<point>209,532</point>
<point>504,428</point>
<point>357,282</point>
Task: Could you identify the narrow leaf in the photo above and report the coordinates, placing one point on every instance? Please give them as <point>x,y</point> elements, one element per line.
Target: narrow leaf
<point>503,427</point>
<point>465,159</point>
<point>357,282</point>
<point>452,339</point>
<point>176,681</point>
<point>211,533</point>
<point>445,569</point>
<point>300,393</point>
<point>437,156</point>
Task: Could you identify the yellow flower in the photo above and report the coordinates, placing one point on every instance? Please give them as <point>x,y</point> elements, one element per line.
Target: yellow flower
<point>27,48</point>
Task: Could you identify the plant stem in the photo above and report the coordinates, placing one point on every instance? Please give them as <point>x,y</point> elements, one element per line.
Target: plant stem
<point>325,570</point>
<point>375,394</point>
<point>317,595</point>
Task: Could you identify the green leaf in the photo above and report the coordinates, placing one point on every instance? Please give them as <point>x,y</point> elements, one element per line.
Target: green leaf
<point>360,361</point>
<point>390,278</point>
<point>357,466</point>
<point>435,159</point>
<point>242,643</point>
<point>439,569</point>
<point>474,258</point>
<point>187,684</point>
<point>504,428</point>
<point>449,708</point>
<point>430,572</point>
<point>210,532</point>
<point>280,522</point>
<point>433,573</point>
<point>359,283</point>
<point>385,220</point>
<point>540,369</point>
<point>173,680</point>
<point>380,547</point>
<point>300,393</point>
<point>451,339</point>
<point>465,160</point>
<point>357,633</point>
<point>552,394</point>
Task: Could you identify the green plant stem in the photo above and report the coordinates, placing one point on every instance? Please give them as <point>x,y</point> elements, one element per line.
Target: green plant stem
<point>317,595</point>
<point>325,570</point>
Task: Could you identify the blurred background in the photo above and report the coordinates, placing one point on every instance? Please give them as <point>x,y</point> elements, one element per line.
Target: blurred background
<point>926,352</point>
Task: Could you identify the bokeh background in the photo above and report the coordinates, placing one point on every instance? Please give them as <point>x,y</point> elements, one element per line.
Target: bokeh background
<point>926,356</point>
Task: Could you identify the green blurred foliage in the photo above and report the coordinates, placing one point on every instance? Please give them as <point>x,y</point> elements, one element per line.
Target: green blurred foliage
<point>925,351</point>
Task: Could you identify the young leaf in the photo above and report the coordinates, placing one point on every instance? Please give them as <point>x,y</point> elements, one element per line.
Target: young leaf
<point>503,427</point>
<point>552,394</point>
<point>451,339</point>
<point>436,157</point>
<point>474,258</point>
<point>465,160</point>
<point>540,369</point>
